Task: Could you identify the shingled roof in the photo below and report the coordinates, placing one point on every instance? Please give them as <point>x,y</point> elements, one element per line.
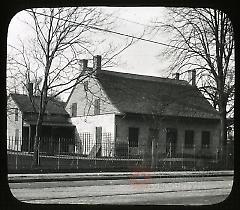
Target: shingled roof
<point>139,94</point>
<point>55,113</point>
<point>53,106</point>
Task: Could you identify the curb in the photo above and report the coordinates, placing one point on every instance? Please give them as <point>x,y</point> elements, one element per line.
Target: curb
<point>111,176</point>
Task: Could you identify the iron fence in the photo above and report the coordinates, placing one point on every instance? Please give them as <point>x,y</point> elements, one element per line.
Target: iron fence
<point>113,154</point>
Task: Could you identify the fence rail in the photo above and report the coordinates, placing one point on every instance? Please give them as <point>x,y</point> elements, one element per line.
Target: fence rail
<point>60,153</point>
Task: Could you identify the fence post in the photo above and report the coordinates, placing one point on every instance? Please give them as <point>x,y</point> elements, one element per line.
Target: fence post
<point>157,151</point>
<point>128,150</point>
<point>76,151</point>
<point>29,144</point>
<point>95,158</point>
<point>182,155</point>
<point>226,156</point>
<point>38,151</point>
<point>194,153</point>
<point>58,162</point>
<point>16,141</point>
<point>170,155</point>
<point>221,153</point>
<point>8,143</point>
<point>152,154</point>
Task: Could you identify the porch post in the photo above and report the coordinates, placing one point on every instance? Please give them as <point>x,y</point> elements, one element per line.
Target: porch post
<point>29,138</point>
<point>153,161</point>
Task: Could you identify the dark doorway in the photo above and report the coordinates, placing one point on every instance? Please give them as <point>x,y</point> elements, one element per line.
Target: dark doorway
<point>171,142</point>
<point>25,139</point>
<point>133,134</point>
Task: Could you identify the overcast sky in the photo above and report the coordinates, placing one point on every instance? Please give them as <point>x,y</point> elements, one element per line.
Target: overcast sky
<point>140,58</point>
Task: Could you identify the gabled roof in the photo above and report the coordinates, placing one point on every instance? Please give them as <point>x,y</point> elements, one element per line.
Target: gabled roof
<point>53,107</point>
<point>139,94</point>
<point>55,114</point>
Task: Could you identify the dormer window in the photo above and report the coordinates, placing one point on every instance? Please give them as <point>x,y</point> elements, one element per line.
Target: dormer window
<point>16,114</point>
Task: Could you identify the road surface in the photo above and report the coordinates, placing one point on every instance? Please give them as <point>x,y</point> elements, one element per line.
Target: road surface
<point>146,191</point>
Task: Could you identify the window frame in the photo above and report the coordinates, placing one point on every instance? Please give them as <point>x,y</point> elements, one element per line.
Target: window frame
<point>16,114</point>
<point>133,140</point>
<point>205,146</point>
<point>188,138</point>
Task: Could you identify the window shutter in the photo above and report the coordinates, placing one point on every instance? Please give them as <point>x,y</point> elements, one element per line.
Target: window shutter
<point>74,109</point>
<point>97,106</point>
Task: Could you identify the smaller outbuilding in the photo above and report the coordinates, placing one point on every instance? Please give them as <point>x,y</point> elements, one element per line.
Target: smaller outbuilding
<point>22,119</point>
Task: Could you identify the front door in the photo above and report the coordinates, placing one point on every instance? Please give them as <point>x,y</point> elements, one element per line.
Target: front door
<point>171,142</point>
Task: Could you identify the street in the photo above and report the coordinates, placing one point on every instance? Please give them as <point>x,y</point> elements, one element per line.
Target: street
<point>145,191</point>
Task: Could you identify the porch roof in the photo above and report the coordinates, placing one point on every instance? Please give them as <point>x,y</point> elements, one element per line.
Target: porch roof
<point>51,120</point>
<point>50,124</point>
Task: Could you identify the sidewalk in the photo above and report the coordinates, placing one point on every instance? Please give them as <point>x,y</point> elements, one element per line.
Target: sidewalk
<point>15,178</point>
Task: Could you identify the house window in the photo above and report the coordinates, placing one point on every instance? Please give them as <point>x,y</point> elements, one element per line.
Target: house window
<point>16,114</point>
<point>189,138</point>
<point>133,134</point>
<point>85,85</point>
<point>97,106</point>
<point>171,141</point>
<point>74,110</point>
<point>205,139</point>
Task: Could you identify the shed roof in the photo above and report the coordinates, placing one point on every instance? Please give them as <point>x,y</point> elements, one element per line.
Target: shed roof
<point>140,94</point>
<point>53,119</point>
<point>53,106</point>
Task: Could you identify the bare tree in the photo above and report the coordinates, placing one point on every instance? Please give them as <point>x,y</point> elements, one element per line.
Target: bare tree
<point>202,39</point>
<point>62,36</point>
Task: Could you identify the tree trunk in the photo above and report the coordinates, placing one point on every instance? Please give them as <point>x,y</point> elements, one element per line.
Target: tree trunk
<point>223,114</point>
<point>223,129</point>
<point>42,107</point>
<point>223,124</point>
<point>37,138</point>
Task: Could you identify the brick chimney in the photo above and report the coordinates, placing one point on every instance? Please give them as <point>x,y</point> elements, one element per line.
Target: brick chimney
<point>176,76</point>
<point>84,65</point>
<point>30,89</point>
<point>192,77</point>
<point>96,63</point>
